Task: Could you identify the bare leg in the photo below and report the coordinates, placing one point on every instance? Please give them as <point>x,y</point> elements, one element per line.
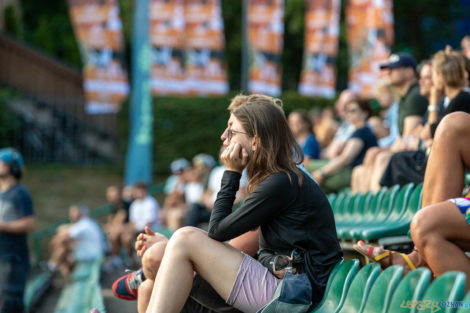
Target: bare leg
<point>442,234</point>
<point>152,259</point>
<point>369,164</point>
<point>189,250</point>
<point>444,177</point>
<point>381,162</point>
<point>145,291</point>
<point>357,178</point>
<point>247,242</point>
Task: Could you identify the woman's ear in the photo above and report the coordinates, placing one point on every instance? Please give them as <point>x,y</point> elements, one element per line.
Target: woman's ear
<point>255,143</point>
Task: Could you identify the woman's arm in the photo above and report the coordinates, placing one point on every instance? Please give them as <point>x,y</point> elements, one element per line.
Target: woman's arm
<point>351,151</point>
<point>265,202</point>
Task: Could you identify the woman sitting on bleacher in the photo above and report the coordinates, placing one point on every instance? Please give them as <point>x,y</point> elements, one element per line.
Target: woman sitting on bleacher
<point>335,174</point>
<point>290,208</point>
<point>441,230</point>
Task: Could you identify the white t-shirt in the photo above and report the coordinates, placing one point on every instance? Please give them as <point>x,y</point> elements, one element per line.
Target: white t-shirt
<point>89,239</point>
<point>144,212</point>
<point>193,192</point>
<point>215,180</point>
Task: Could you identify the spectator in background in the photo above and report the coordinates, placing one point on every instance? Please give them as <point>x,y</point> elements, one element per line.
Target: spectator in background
<point>465,44</point>
<point>335,174</point>
<point>16,221</point>
<point>196,181</point>
<point>324,125</point>
<point>448,75</point>
<point>412,106</point>
<point>80,241</point>
<point>386,128</point>
<point>174,188</point>
<point>200,212</point>
<point>117,224</point>
<point>345,129</point>
<point>144,210</point>
<point>302,129</point>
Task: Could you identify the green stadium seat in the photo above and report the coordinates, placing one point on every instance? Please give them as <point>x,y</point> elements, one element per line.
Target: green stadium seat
<point>384,228</point>
<point>83,292</point>
<point>398,225</point>
<point>380,215</point>
<point>361,205</point>
<point>383,289</point>
<point>412,287</point>
<point>334,297</point>
<point>466,301</point>
<point>347,211</point>
<point>341,206</point>
<point>448,287</point>
<point>360,289</point>
<point>368,213</point>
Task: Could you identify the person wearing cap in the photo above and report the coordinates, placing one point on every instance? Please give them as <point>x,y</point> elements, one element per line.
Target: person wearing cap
<point>402,73</point>
<point>16,221</point>
<point>401,70</point>
<point>80,241</point>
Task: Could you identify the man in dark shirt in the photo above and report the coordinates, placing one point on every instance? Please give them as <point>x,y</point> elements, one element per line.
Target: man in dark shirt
<point>16,220</point>
<point>412,106</point>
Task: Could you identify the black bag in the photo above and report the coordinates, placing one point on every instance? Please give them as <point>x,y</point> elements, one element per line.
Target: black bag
<point>405,167</point>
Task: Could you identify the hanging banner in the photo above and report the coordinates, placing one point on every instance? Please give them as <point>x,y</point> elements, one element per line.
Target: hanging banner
<point>370,38</point>
<point>206,69</point>
<point>167,44</point>
<point>98,29</point>
<point>318,76</point>
<point>139,157</point>
<point>265,20</point>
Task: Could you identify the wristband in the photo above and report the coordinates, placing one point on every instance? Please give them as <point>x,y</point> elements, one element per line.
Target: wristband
<point>322,174</point>
<point>432,108</point>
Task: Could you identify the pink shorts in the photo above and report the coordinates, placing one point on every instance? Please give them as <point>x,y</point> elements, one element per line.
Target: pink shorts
<point>254,286</point>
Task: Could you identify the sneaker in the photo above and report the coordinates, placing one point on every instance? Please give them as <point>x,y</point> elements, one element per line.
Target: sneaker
<point>127,286</point>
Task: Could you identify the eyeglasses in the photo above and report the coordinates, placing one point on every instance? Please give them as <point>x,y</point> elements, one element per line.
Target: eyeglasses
<point>284,262</point>
<point>230,133</point>
<point>352,110</point>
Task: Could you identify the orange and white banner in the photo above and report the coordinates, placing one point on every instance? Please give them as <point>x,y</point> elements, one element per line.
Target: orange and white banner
<point>188,47</point>
<point>206,69</point>
<point>98,29</point>
<point>265,20</point>
<point>318,76</point>
<point>370,38</point>
<point>167,42</point>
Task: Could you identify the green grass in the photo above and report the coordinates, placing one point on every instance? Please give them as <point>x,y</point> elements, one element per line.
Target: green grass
<point>55,187</point>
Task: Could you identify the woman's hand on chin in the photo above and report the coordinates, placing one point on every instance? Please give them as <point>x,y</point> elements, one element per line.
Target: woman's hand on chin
<point>235,157</point>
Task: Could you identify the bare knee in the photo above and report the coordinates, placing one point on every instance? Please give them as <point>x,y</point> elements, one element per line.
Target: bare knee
<point>186,238</point>
<point>152,259</point>
<point>453,125</point>
<point>423,227</point>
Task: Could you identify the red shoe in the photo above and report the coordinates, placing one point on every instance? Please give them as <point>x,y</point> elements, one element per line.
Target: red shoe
<point>127,286</point>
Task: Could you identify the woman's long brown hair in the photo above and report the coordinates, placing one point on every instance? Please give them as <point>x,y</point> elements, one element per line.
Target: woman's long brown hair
<point>262,118</point>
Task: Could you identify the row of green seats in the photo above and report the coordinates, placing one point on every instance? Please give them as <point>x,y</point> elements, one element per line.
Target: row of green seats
<point>373,216</point>
<point>369,291</point>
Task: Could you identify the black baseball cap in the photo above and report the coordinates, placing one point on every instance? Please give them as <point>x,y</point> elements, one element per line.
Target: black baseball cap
<point>401,59</point>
